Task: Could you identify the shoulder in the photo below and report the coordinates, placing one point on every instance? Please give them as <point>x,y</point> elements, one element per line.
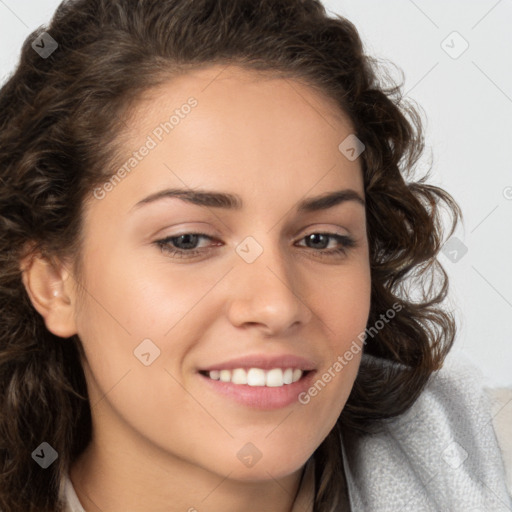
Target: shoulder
<point>461,392</point>
<point>441,454</point>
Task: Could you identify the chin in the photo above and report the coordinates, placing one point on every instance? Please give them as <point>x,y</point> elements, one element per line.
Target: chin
<point>252,466</point>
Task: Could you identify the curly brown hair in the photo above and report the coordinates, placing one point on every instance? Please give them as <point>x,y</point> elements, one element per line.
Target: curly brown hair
<point>61,121</point>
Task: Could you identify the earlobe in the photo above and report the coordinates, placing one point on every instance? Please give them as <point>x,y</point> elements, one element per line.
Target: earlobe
<point>47,287</point>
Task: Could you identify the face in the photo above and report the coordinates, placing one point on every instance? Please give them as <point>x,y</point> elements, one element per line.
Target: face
<point>179,290</point>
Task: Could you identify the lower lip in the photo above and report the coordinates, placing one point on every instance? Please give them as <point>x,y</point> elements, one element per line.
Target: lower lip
<point>261,397</point>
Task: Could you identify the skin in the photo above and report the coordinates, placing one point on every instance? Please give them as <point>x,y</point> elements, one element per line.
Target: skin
<point>162,441</point>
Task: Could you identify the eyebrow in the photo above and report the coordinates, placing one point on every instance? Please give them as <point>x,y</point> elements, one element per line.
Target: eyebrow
<point>226,200</point>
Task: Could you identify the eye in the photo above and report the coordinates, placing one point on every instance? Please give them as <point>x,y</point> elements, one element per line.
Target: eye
<point>344,243</point>
<point>187,240</point>
<point>185,245</point>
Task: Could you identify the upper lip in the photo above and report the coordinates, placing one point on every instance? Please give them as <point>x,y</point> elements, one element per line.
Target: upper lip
<point>265,362</point>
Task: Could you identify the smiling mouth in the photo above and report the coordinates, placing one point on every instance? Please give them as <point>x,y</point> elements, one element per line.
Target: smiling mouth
<point>273,378</point>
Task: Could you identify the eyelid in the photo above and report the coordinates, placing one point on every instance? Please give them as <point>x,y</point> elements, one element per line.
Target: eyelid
<point>326,229</point>
<point>315,228</point>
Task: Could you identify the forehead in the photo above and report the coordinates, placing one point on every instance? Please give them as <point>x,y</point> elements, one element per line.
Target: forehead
<point>236,96</point>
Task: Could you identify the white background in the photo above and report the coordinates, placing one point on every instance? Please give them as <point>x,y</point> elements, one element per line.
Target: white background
<point>467,104</point>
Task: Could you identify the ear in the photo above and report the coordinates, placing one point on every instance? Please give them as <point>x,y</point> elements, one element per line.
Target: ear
<point>48,285</point>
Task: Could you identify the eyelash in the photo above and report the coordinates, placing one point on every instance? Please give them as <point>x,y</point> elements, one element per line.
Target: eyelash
<point>347,243</point>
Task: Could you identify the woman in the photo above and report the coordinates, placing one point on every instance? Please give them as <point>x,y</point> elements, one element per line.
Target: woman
<point>144,370</point>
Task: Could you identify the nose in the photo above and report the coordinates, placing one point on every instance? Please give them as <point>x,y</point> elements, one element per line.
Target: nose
<point>268,293</point>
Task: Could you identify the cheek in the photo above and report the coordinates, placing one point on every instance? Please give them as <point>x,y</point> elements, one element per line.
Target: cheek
<point>344,305</point>
<point>137,297</point>
<point>127,303</point>
<point>344,312</point>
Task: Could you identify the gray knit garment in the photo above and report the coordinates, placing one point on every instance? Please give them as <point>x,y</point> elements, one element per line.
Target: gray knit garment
<point>440,455</point>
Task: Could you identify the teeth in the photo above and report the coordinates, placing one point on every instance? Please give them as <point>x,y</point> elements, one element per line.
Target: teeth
<point>239,376</point>
<point>255,377</point>
<point>274,378</point>
<point>225,375</point>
